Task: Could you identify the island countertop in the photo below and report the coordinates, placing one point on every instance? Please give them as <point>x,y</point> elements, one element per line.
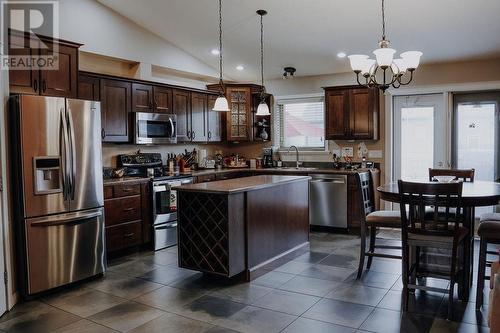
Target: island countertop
<point>237,185</point>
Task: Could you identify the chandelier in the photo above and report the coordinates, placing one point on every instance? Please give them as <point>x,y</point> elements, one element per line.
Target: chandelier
<point>221,103</point>
<point>385,71</point>
<point>263,108</point>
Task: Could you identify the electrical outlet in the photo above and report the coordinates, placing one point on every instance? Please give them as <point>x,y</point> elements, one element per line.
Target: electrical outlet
<point>375,154</point>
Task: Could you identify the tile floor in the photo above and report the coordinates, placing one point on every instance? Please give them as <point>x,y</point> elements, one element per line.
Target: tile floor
<point>316,292</point>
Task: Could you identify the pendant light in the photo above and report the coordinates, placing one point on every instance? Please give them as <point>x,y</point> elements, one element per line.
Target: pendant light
<point>221,103</point>
<point>263,108</point>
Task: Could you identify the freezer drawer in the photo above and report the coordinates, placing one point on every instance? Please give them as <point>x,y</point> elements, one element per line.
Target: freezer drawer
<point>64,248</point>
<point>165,235</point>
<point>328,201</point>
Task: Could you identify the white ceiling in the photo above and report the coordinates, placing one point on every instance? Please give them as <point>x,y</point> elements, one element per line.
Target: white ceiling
<point>307,34</point>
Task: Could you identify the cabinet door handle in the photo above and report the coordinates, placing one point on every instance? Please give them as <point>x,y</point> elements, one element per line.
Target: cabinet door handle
<point>103,133</point>
<point>129,234</point>
<point>35,85</point>
<point>44,85</point>
<point>129,209</point>
<point>209,135</point>
<point>189,134</point>
<point>193,135</point>
<point>156,104</point>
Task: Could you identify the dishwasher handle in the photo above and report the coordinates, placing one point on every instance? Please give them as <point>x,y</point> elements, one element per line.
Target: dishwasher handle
<point>329,180</point>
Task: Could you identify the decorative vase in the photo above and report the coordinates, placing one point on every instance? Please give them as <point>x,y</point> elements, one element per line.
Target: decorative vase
<point>263,134</point>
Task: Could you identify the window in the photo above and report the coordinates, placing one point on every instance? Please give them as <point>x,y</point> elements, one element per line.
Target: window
<point>302,123</point>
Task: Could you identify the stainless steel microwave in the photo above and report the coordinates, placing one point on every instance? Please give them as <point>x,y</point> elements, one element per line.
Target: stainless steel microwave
<point>155,128</point>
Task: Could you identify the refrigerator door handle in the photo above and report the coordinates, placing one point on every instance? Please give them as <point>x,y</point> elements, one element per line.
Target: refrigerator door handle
<point>71,136</point>
<point>65,153</point>
<point>76,218</point>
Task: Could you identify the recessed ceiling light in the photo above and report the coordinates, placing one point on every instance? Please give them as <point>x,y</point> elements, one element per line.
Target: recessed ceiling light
<point>341,55</point>
<point>240,67</point>
<point>215,52</point>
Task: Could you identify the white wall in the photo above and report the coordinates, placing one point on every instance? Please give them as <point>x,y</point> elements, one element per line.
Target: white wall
<point>105,32</point>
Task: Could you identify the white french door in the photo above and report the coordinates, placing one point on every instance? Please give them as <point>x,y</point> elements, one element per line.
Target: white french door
<point>420,135</point>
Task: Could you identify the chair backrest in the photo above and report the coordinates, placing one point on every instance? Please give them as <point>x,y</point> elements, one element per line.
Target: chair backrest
<point>365,187</point>
<point>466,175</point>
<point>445,200</point>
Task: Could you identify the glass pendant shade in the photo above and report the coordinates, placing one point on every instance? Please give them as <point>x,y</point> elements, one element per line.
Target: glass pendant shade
<point>357,61</point>
<point>263,109</point>
<point>411,58</point>
<point>399,66</point>
<point>384,56</point>
<point>221,104</point>
<point>366,66</point>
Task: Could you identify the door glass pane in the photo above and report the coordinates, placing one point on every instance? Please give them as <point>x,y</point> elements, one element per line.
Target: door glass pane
<point>475,139</point>
<point>417,141</point>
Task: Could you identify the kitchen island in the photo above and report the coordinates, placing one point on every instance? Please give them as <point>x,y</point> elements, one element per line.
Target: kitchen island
<point>241,226</point>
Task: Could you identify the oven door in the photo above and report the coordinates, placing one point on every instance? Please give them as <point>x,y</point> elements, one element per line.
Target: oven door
<point>155,128</point>
<point>165,200</point>
<point>165,235</point>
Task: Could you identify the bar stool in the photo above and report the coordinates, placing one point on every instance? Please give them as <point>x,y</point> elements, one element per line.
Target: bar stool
<point>373,219</point>
<point>489,232</point>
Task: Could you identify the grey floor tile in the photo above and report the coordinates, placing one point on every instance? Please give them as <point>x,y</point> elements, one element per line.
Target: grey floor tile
<point>84,303</point>
<point>311,257</point>
<point>338,312</point>
<point>392,266</point>
<point>170,322</point>
<point>388,321</point>
<point>273,279</point>
<point>84,326</point>
<point>35,317</point>
<point>253,319</point>
<point>287,302</point>
<point>378,279</point>
<point>350,260</point>
<point>126,316</point>
<point>168,298</point>
<point>135,267</point>
<point>418,302</point>
<point>293,267</point>
<point>243,293</point>
<point>305,325</point>
<point>209,308</point>
<point>219,329</point>
<point>163,258</point>
<point>167,275</point>
<point>309,286</point>
<point>431,282</point>
<point>331,273</point>
<point>356,293</point>
<point>125,287</point>
<point>447,326</point>
<point>199,282</point>
<point>464,312</point>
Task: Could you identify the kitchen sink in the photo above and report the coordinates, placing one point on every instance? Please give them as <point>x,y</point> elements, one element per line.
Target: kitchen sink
<point>298,169</point>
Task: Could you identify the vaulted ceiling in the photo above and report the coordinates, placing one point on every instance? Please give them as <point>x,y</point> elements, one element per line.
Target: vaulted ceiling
<point>308,34</point>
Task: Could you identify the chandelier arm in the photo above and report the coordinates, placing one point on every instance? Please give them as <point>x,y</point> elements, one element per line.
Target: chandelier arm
<point>409,80</point>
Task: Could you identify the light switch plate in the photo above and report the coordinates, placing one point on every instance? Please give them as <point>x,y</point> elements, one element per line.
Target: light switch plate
<point>375,154</point>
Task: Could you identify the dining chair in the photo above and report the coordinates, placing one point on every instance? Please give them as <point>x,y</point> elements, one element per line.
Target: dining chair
<point>372,219</point>
<point>466,175</point>
<point>489,233</point>
<point>421,234</point>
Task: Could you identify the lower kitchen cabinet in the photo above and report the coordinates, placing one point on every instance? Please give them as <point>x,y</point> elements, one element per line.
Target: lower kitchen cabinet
<point>127,209</point>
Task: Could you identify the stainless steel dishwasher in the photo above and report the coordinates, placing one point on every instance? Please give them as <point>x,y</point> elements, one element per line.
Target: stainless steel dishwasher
<point>328,200</point>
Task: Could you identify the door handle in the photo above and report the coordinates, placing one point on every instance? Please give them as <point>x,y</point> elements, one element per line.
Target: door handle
<point>129,209</point>
<point>194,135</point>
<point>170,226</point>
<point>103,133</point>
<point>65,153</point>
<point>76,218</point>
<point>129,234</point>
<point>71,137</point>
<point>35,85</point>
<point>44,85</point>
<point>209,135</point>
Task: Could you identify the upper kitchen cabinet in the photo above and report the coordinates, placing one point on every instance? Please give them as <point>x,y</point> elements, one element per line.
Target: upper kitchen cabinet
<point>148,98</point>
<point>213,121</point>
<point>89,87</point>
<point>116,99</point>
<point>181,105</point>
<point>351,113</point>
<point>61,81</point>
<point>199,131</point>
<point>238,123</point>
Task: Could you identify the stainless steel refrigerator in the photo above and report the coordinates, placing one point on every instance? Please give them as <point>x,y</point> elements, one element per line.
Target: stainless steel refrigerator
<point>57,166</point>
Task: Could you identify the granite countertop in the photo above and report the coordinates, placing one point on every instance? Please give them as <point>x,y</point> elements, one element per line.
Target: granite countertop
<point>125,180</point>
<point>237,185</point>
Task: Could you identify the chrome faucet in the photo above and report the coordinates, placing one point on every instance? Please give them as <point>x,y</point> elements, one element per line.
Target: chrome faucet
<point>296,155</point>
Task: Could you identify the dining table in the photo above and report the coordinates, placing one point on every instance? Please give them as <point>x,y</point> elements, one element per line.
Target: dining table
<point>474,194</point>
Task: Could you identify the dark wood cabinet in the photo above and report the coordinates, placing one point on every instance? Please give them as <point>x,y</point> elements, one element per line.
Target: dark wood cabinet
<point>89,87</point>
<point>239,118</point>
<point>181,104</point>
<point>162,99</point>
<point>199,131</point>
<point>115,110</point>
<point>142,97</point>
<point>351,113</point>
<point>213,121</point>
<point>128,220</point>
<point>61,81</point>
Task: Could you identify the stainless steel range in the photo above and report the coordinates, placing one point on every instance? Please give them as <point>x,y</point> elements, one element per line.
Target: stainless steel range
<point>164,199</point>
